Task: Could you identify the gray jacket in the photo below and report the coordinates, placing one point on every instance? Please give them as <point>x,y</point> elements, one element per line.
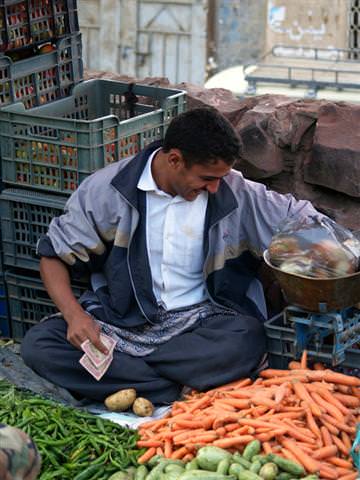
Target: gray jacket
<point>102,232</point>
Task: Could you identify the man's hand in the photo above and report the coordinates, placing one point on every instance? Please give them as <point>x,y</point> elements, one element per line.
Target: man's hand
<point>82,328</point>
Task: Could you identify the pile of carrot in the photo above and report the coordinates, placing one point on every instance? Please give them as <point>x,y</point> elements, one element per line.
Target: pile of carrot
<point>302,414</point>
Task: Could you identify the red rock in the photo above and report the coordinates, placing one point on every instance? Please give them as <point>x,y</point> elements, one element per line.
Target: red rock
<point>335,160</point>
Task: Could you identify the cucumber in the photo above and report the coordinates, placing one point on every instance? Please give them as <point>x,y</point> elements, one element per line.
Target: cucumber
<point>288,466</point>
<point>241,460</point>
<point>173,467</point>
<point>119,476</point>
<point>269,471</point>
<point>284,476</point>
<point>247,475</point>
<point>141,473</point>
<point>192,465</point>
<point>172,475</point>
<point>223,466</point>
<point>209,457</point>
<point>154,460</point>
<point>235,469</point>
<point>260,458</point>
<point>251,449</point>
<point>204,475</point>
<point>255,466</point>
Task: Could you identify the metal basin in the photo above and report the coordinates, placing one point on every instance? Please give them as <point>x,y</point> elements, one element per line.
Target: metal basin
<point>318,294</point>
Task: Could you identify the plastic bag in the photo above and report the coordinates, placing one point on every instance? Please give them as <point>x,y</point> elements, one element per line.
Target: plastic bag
<point>315,247</point>
<point>355,451</point>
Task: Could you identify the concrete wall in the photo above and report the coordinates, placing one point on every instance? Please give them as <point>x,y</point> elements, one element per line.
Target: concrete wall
<point>311,23</point>
<point>240,28</point>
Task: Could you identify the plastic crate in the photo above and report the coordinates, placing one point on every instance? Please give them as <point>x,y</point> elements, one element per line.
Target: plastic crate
<point>25,216</point>
<point>56,146</point>
<point>28,302</point>
<point>280,346</point>
<point>42,78</point>
<point>25,23</point>
<point>4,320</point>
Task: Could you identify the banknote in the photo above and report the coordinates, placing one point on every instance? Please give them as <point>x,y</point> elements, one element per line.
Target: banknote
<point>96,372</point>
<point>97,357</point>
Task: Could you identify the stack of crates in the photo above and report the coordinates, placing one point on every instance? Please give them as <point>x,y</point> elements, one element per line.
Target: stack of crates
<point>48,147</point>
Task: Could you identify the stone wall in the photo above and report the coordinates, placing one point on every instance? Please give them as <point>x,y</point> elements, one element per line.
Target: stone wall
<point>310,148</point>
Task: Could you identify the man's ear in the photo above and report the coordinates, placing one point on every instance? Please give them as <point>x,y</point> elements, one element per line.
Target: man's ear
<point>175,158</point>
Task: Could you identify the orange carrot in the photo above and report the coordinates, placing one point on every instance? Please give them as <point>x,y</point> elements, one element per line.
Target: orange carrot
<point>145,457</point>
<point>235,402</point>
<point>347,400</point>
<point>303,361</point>
<point>189,456</point>
<point>328,396</point>
<point>168,448</point>
<point>180,453</point>
<point>294,365</point>
<point>325,452</point>
<point>343,449</point>
<point>310,464</point>
<point>287,454</point>
<point>350,476</point>
<point>232,441</point>
<point>332,429</point>
<point>267,448</point>
<point>340,462</point>
<point>148,443</point>
<point>328,472</point>
<point>337,424</point>
<point>265,437</point>
<point>303,394</point>
<point>312,424</point>
<point>331,409</point>
<point>346,440</point>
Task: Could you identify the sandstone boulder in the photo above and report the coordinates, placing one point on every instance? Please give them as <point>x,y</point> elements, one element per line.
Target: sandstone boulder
<point>335,159</point>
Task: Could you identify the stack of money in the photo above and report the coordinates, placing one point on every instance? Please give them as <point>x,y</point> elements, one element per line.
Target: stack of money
<point>94,361</point>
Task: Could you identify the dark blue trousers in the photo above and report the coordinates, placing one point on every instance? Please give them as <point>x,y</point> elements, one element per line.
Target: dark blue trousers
<point>217,350</point>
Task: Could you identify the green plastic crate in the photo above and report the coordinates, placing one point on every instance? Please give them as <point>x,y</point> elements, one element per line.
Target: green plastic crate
<point>54,147</point>
<point>25,216</point>
<point>42,78</point>
<point>280,341</point>
<point>28,302</point>
<point>27,23</point>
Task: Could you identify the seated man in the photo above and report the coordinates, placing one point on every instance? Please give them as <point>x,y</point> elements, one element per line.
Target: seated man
<point>172,239</point>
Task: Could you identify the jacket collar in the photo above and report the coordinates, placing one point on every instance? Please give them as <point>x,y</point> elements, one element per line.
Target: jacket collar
<point>125,181</point>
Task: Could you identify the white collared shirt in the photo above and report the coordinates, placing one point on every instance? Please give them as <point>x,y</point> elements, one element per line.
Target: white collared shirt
<point>174,236</point>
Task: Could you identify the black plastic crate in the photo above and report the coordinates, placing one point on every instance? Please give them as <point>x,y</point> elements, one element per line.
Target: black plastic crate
<point>25,216</point>
<point>29,302</point>
<point>4,320</point>
<point>27,23</point>
<point>42,78</point>
<point>280,341</point>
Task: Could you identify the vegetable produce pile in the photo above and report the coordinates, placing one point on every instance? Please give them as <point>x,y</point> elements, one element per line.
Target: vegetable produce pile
<point>74,444</point>
<point>308,416</point>
<point>214,463</point>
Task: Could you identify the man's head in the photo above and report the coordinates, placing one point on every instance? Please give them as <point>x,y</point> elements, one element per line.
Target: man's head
<point>199,148</point>
<point>203,136</point>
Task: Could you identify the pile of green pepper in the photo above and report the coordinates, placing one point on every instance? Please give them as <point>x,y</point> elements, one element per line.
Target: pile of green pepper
<point>74,444</point>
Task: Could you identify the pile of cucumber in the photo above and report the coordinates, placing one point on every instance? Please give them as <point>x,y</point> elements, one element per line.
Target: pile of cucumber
<point>214,463</point>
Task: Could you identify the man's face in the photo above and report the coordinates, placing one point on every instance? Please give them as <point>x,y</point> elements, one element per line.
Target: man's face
<point>189,182</point>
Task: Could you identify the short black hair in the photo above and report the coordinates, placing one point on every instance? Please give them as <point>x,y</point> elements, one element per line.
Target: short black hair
<point>203,135</point>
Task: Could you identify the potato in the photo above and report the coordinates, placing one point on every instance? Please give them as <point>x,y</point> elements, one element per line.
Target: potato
<point>143,407</point>
<point>121,400</point>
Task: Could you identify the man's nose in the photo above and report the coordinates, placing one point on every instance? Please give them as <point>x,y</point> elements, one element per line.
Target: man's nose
<point>212,187</point>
